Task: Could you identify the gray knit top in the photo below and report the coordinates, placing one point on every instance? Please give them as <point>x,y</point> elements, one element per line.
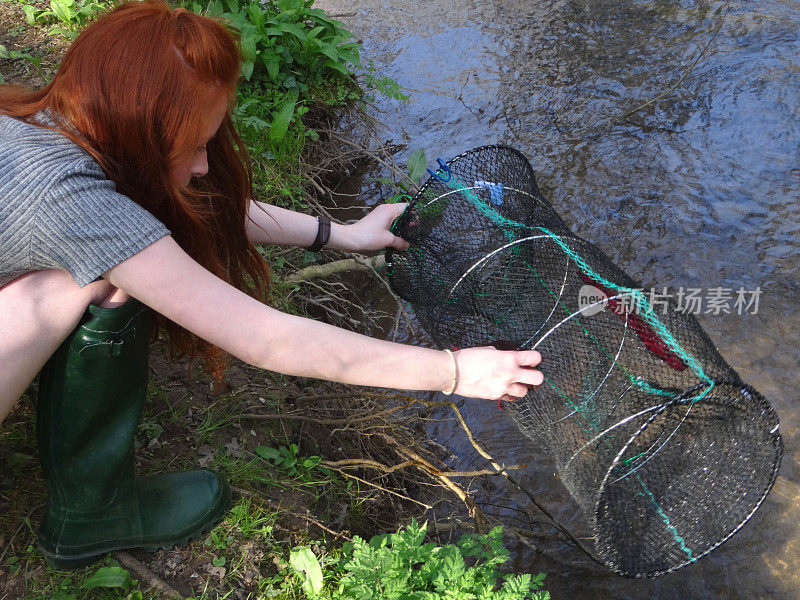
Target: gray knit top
<point>59,211</point>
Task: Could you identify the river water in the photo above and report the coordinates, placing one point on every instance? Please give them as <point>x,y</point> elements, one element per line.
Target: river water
<point>667,133</point>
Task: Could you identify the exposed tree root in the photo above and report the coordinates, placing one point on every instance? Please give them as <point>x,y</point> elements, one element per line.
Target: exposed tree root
<point>357,263</point>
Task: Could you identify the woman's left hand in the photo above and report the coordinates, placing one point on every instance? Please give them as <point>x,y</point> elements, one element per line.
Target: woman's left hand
<point>372,231</point>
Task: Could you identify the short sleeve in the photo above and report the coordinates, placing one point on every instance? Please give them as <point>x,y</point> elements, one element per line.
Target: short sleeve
<point>85,226</point>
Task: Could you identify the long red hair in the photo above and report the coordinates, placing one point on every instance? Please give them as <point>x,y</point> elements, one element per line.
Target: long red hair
<point>136,90</point>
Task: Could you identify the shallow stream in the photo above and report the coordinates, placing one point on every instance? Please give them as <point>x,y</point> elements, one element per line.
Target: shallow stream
<point>667,133</point>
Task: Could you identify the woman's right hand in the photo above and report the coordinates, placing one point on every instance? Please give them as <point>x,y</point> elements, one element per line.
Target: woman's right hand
<point>486,372</point>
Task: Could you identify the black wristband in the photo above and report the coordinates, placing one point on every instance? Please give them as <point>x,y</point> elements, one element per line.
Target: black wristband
<point>323,234</point>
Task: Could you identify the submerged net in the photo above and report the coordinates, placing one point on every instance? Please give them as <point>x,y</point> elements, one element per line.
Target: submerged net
<point>656,437</point>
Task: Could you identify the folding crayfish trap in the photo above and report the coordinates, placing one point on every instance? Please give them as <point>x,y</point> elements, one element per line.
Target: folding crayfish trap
<point>656,437</point>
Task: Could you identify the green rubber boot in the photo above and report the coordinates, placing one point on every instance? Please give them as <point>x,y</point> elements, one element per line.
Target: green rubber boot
<point>91,393</point>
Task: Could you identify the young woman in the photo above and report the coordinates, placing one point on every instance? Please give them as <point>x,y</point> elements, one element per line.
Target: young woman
<point>123,185</point>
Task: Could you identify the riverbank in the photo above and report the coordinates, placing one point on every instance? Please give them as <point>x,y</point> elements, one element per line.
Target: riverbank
<point>283,496</point>
<point>313,464</point>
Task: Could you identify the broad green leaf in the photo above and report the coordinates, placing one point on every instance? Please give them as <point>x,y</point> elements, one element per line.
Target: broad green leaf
<point>89,10</point>
<point>417,164</point>
<point>287,5</point>
<point>378,541</point>
<point>294,29</point>
<point>273,67</point>
<point>350,55</point>
<point>247,69</point>
<point>280,124</point>
<point>315,32</point>
<point>329,50</point>
<point>321,20</point>
<point>257,15</point>
<point>215,9</point>
<point>304,562</point>
<point>238,20</point>
<point>249,47</point>
<point>337,66</point>
<point>109,577</point>
<point>31,12</point>
<point>63,9</point>
<point>267,452</point>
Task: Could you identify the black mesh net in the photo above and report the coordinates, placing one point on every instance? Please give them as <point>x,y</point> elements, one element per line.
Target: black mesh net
<point>656,437</point>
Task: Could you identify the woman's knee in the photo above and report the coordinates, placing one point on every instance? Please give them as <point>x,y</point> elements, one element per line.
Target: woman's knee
<point>37,312</point>
<point>114,297</point>
<point>53,288</point>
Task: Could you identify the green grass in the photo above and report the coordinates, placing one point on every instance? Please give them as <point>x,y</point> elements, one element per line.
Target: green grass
<point>246,472</point>
<point>50,584</point>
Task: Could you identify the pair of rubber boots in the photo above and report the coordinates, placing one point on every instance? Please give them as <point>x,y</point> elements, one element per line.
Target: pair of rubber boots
<point>91,394</point>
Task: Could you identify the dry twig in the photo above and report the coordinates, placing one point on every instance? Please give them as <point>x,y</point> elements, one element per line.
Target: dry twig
<point>142,572</point>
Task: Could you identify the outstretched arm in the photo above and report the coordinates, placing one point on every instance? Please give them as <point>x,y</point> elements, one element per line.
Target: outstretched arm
<point>268,224</point>
<point>165,278</point>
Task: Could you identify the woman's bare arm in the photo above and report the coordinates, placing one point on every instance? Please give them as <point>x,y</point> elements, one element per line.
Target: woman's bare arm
<point>268,224</point>
<point>165,278</point>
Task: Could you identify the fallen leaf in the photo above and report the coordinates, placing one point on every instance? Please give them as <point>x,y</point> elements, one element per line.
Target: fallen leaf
<point>233,448</point>
<point>206,455</point>
<point>217,572</point>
